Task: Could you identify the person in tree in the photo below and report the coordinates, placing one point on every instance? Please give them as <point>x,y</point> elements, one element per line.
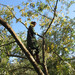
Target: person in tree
<point>32,42</point>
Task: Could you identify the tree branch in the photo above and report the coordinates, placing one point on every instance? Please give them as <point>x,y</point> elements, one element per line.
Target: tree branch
<point>58,56</point>
<point>53,17</point>
<point>8,43</point>
<point>22,46</point>
<point>64,59</point>
<point>11,55</point>
<point>45,70</point>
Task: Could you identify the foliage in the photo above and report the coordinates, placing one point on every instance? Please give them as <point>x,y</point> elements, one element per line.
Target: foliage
<point>59,39</point>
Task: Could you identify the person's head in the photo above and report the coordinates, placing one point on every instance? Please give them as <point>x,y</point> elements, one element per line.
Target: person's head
<point>33,24</point>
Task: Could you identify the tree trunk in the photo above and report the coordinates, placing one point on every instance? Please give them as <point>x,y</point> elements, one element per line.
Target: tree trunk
<point>45,70</point>
<point>21,45</point>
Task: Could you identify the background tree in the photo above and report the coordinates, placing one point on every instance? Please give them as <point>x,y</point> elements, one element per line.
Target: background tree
<point>56,42</point>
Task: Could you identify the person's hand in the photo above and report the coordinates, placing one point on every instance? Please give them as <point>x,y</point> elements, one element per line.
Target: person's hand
<point>36,33</point>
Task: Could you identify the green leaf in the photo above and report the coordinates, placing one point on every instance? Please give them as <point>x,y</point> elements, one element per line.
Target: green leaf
<point>18,7</point>
<point>32,5</point>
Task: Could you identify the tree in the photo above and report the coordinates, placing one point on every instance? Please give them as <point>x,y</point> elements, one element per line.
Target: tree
<point>57,38</point>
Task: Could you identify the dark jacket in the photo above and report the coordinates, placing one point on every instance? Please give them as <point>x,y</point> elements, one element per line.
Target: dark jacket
<point>31,40</point>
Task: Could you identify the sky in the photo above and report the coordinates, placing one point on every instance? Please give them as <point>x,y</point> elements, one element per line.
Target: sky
<point>18,27</point>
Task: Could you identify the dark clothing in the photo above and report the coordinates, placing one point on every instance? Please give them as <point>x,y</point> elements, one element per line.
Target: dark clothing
<point>31,40</point>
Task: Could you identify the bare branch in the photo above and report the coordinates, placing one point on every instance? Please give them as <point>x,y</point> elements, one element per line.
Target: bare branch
<point>53,17</point>
<point>11,55</point>
<point>58,56</point>
<point>8,43</point>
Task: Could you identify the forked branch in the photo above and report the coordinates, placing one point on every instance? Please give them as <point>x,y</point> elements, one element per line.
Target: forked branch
<point>52,18</point>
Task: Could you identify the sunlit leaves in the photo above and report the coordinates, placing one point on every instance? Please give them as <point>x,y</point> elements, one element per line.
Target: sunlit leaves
<point>66,49</point>
<point>62,14</point>
<point>42,6</point>
<point>27,4</point>
<point>63,67</point>
<point>23,3</point>
<point>24,14</point>
<point>49,33</point>
<point>4,61</point>
<point>37,3</point>
<point>30,13</point>
<point>47,1</point>
<point>32,5</point>
<point>36,15</point>
<point>6,13</point>
<point>46,20</point>
<point>52,46</point>
<point>71,2</point>
<point>62,24</point>
<point>28,19</point>
<point>26,23</point>
<point>64,19</point>
<point>18,20</point>
<point>45,6</point>
<point>59,38</point>
<point>18,7</point>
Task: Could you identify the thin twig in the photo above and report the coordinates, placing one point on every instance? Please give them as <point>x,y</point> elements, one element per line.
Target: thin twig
<point>50,6</point>
<point>11,55</point>
<point>64,59</point>
<point>44,15</point>
<point>58,56</point>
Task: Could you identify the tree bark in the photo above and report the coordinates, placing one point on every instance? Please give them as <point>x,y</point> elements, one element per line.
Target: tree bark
<point>45,70</point>
<point>21,45</point>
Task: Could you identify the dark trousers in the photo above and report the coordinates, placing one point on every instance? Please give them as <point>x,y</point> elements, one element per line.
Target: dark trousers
<point>33,48</point>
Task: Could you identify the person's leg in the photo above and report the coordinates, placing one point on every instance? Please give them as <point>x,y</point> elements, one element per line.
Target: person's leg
<point>37,55</point>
